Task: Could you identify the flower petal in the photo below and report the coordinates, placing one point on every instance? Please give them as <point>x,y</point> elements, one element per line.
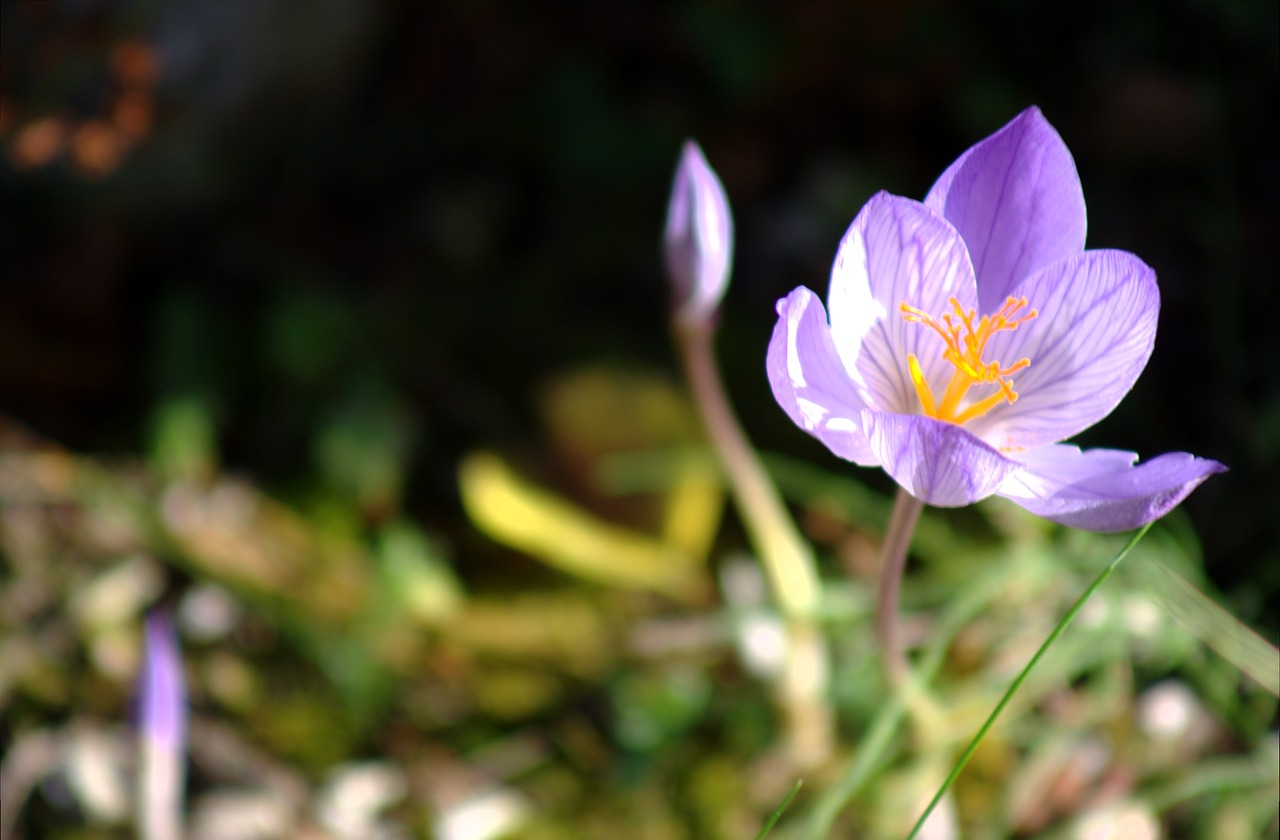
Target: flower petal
<point>1016,199</point>
<point>896,251</point>
<point>939,463</point>
<point>809,380</point>
<point>1103,489</point>
<point>1094,334</point>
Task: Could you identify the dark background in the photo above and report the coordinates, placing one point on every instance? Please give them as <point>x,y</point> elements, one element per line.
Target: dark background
<point>296,212</point>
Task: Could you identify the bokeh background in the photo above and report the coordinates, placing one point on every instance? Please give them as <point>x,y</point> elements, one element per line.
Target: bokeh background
<point>332,246</point>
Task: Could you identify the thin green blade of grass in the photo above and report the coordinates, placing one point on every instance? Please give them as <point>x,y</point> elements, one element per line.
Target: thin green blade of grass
<point>1022,677</point>
<point>1214,626</point>
<point>777,812</point>
<point>873,750</point>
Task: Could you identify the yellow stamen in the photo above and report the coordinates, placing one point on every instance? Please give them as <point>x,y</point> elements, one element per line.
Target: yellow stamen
<point>922,387</point>
<point>965,344</point>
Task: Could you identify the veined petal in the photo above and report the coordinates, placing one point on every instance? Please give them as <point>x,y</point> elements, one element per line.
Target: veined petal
<point>809,380</point>
<point>1095,332</point>
<point>1103,489</point>
<point>939,463</point>
<point>1016,199</point>
<point>896,251</point>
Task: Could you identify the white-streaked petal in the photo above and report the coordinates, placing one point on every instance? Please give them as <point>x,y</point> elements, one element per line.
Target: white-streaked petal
<point>809,381</point>
<point>1016,199</point>
<point>1094,334</point>
<point>939,463</point>
<point>896,251</point>
<point>1103,489</point>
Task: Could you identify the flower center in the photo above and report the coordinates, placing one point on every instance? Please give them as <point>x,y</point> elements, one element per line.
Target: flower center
<point>965,343</point>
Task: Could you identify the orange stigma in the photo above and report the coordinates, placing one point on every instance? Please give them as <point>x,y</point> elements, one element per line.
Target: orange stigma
<point>965,344</point>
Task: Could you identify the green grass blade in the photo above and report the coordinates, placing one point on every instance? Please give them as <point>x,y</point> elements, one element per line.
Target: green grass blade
<point>1214,626</point>
<point>870,753</point>
<point>1022,677</point>
<point>777,813</point>
<point>873,750</point>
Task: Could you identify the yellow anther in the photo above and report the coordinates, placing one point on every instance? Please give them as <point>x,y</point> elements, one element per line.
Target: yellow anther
<point>922,387</point>
<point>965,344</point>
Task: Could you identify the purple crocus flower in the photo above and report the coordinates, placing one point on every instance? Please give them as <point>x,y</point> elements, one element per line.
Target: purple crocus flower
<point>698,241</point>
<point>971,333</point>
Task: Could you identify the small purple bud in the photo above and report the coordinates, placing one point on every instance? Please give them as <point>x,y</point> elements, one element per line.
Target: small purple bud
<point>163,733</point>
<point>163,712</point>
<point>699,237</point>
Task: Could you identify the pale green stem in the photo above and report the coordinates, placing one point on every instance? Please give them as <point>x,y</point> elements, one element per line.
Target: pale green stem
<point>897,541</point>
<point>787,559</point>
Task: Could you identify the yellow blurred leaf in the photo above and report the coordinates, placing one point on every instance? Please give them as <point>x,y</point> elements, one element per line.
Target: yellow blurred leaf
<point>599,410</point>
<point>570,631</point>
<point>553,530</point>
<point>692,507</point>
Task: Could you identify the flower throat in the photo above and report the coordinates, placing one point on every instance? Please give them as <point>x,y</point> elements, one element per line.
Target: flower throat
<point>966,342</point>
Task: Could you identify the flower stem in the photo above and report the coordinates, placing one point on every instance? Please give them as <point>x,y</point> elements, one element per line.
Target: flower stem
<point>787,559</point>
<point>897,540</point>
<point>160,784</point>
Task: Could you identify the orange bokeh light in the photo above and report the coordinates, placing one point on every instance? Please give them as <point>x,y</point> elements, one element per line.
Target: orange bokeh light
<point>39,142</point>
<point>136,64</point>
<point>132,114</point>
<point>98,147</point>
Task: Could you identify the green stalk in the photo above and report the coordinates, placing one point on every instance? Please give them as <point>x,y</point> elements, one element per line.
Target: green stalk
<point>777,812</point>
<point>787,558</point>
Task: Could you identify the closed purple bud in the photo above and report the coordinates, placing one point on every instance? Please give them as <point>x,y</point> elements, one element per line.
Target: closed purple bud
<point>699,238</point>
<point>163,712</point>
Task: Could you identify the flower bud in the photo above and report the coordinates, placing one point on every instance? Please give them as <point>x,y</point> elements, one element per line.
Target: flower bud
<point>163,733</point>
<point>699,238</point>
<point>163,702</point>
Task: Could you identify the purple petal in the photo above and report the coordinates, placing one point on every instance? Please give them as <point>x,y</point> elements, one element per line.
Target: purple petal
<point>809,380</point>
<point>1102,489</point>
<point>1016,199</point>
<point>1094,334</point>
<point>896,251</point>
<point>939,463</point>
<point>699,237</point>
<point>163,706</point>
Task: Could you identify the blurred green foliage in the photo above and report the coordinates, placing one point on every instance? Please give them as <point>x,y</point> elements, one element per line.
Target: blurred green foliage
<point>577,702</point>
